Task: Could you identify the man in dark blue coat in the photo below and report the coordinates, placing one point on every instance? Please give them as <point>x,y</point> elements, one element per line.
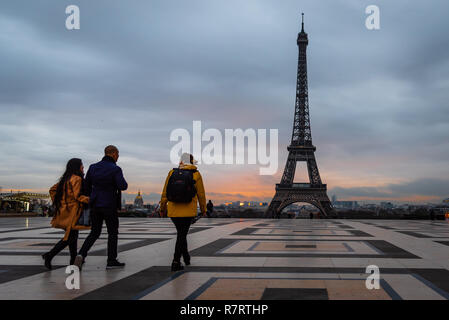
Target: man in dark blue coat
<point>104,183</point>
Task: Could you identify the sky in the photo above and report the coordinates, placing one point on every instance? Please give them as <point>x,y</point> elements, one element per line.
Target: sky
<point>137,70</point>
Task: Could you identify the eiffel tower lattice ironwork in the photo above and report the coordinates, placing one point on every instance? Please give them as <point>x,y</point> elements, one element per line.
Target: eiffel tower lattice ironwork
<point>301,149</point>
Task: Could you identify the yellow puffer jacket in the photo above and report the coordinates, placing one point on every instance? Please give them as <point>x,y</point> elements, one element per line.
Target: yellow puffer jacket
<point>185,209</point>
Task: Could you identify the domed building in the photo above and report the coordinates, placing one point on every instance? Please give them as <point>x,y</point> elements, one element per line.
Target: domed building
<point>138,201</point>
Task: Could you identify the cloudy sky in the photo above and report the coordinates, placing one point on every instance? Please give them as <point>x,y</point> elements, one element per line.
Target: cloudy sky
<point>136,70</point>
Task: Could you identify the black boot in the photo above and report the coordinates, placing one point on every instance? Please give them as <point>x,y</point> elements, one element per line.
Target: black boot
<point>47,261</point>
<point>187,259</point>
<point>176,266</point>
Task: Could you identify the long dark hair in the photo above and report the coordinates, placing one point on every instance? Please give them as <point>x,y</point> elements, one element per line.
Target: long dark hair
<point>73,167</point>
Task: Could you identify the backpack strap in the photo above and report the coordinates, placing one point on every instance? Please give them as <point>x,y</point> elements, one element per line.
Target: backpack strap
<point>179,169</point>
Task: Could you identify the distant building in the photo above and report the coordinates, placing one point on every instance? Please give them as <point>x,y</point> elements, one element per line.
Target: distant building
<point>386,205</point>
<point>244,204</point>
<point>138,201</point>
<point>345,204</point>
<point>446,200</point>
<point>19,202</point>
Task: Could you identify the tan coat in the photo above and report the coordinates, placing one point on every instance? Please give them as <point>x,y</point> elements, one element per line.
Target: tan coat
<point>185,209</point>
<point>71,206</point>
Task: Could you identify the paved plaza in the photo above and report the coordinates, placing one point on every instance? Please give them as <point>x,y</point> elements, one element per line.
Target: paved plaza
<point>236,259</point>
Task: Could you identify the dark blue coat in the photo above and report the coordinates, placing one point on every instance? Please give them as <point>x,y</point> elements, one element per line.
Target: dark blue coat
<point>104,183</point>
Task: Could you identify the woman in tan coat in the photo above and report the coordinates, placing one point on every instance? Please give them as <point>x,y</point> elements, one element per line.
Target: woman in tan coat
<point>68,199</point>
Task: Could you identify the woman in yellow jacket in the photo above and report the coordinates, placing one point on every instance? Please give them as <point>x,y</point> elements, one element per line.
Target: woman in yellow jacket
<point>68,200</point>
<point>183,213</point>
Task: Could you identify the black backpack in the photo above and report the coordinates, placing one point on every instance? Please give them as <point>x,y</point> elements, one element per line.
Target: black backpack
<point>181,186</point>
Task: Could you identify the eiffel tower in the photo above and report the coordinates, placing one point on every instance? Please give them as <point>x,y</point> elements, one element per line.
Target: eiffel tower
<point>301,149</point>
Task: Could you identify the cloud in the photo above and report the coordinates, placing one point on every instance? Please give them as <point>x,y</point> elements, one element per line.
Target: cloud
<point>430,188</point>
<point>134,72</point>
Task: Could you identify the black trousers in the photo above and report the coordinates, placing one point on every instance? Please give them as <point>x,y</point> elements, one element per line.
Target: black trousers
<point>98,215</point>
<point>72,242</point>
<point>182,228</point>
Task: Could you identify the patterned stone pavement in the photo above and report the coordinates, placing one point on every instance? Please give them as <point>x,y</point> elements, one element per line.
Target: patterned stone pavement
<point>236,259</point>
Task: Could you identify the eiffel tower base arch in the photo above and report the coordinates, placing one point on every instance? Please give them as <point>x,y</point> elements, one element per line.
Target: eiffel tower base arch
<point>284,198</point>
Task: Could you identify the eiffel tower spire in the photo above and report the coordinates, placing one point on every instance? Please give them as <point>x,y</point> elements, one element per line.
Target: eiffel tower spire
<point>301,148</point>
<point>302,22</point>
<point>302,134</point>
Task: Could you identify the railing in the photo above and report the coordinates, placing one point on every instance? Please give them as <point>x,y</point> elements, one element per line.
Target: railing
<point>23,195</point>
<point>301,185</point>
